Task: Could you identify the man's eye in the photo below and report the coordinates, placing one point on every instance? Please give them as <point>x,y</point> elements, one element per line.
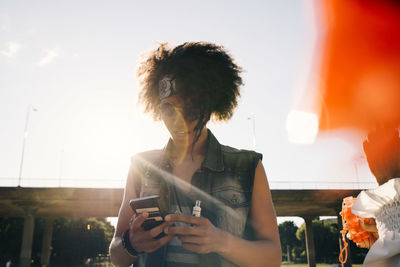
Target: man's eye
<point>191,114</point>
<point>167,109</point>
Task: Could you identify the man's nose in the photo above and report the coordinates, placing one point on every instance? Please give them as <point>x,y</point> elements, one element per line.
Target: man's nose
<point>178,119</point>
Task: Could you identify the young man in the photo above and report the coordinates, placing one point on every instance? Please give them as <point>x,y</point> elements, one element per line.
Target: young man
<point>185,86</point>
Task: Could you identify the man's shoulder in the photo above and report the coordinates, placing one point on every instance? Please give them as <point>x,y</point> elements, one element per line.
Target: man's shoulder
<point>233,155</point>
<point>237,152</point>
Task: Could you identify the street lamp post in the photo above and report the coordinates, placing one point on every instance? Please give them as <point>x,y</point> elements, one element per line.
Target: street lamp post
<point>253,118</point>
<point>356,160</point>
<point>30,108</point>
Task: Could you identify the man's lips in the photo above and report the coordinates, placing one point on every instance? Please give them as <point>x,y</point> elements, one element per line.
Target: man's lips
<point>178,132</point>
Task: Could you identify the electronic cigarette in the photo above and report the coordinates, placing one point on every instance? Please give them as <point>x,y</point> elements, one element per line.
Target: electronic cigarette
<point>197,209</point>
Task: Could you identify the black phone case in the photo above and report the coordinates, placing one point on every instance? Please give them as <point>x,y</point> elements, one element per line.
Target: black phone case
<point>151,205</point>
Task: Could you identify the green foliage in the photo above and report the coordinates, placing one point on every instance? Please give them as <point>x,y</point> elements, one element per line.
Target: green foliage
<point>326,241</point>
<point>10,239</point>
<point>287,234</point>
<point>72,241</point>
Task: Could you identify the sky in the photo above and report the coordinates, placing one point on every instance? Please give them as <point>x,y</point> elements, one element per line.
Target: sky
<point>74,63</point>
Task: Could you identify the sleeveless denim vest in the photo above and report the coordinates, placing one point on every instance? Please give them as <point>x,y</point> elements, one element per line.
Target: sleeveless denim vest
<point>224,182</point>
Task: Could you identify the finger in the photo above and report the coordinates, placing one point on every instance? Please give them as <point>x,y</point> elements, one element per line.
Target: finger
<point>362,244</point>
<point>157,230</point>
<point>186,219</point>
<point>143,241</point>
<point>195,248</point>
<point>138,221</point>
<point>375,235</point>
<point>199,240</point>
<point>155,244</point>
<point>368,227</point>
<point>164,240</point>
<point>183,230</point>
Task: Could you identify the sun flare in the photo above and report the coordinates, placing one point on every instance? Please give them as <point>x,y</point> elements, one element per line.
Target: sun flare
<point>302,127</point>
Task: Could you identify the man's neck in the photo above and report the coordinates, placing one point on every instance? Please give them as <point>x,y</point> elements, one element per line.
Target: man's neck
<point>181,153</point>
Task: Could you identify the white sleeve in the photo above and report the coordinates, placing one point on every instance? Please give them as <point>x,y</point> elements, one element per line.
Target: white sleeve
<point>370,201</point>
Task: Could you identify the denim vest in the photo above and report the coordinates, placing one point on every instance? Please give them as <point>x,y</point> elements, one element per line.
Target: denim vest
<point>224,182</point>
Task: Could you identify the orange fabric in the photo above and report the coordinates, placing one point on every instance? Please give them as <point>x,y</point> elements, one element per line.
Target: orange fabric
<point>359,65</point>
<point>351,224</point>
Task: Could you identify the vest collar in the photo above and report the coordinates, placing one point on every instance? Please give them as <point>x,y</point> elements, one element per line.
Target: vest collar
<point>214,159</point>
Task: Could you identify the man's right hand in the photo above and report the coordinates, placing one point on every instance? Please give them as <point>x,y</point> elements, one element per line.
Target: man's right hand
<point>144,241</point>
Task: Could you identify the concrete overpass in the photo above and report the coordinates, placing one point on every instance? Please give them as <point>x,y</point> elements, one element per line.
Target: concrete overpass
<point>51,203</point>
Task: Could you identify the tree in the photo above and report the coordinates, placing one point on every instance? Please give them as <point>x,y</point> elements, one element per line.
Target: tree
<point>73,241</point>
<point>287,234</point>
<point>10,239</point>
<point>326,240</point>
<point>76,240</point>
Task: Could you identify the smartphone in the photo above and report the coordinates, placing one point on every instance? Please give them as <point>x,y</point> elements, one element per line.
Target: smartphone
<point>152,206</point>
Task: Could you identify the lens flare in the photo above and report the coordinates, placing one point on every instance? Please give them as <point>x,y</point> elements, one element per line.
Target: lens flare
<point>174,180</point>
<point>302,127</point>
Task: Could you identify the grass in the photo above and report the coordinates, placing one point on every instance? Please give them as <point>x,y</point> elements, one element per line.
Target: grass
<point>285,264</point>
<point>107,264</point>
<point>318,265</point>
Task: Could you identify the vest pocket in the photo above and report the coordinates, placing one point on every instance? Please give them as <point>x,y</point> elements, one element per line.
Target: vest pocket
<point>150,189</point>
<point>151,185</point>
<point>232,197</point>
<point>231,216</point>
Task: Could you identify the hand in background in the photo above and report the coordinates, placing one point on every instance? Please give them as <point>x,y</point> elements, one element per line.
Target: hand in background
<point>382,150</point>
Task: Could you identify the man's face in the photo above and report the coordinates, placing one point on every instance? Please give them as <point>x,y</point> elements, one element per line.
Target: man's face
<point>180,128</point>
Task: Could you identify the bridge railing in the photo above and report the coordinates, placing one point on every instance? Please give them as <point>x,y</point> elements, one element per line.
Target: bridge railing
<point>299,185</point>
<point>292,184</point>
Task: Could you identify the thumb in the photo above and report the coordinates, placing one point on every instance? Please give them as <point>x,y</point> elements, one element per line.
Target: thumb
<point>369,227</point>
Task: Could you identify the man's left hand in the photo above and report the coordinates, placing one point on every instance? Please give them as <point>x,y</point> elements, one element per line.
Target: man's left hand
<point>202,237</point>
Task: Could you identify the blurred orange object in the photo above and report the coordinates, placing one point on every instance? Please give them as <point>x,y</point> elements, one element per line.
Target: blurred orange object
<point>351,224</point>
<point>358,73</point>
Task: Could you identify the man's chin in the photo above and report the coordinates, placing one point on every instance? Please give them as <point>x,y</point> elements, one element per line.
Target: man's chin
<point>181,138</point>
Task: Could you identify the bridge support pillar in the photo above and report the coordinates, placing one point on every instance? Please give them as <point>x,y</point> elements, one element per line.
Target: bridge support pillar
<point>310,242</point>
<point>27,237</point>
<point>46,245</point>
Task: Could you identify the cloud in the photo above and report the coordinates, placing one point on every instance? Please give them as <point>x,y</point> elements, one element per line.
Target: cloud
<point>12,49</point>
<point>49,57</point>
